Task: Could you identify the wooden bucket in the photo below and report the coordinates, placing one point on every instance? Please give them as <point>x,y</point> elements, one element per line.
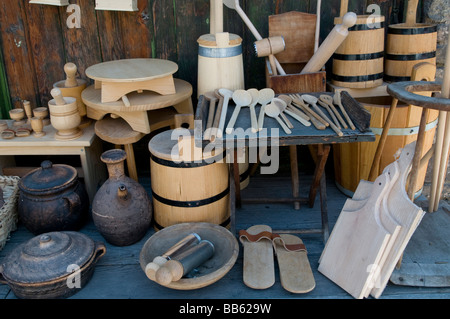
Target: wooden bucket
<point>353,161</point>
<point>220,63</point>
<point>358,62</point>
<point>187,186</point>
<point>406,47</point>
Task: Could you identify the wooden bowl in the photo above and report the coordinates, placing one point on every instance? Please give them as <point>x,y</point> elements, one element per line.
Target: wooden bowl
<point>225,255</point>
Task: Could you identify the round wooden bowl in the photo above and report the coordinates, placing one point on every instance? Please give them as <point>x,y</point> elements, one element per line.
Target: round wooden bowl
<point>225,255</point>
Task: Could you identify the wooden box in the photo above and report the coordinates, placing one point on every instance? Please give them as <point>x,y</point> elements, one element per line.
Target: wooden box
<point>116,5</point>
<point>52,2</point>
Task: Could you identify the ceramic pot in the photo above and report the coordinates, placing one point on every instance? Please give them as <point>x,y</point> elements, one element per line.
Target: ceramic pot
<point>121,209</point>
<point>51,265</point>
<point>51,198</point>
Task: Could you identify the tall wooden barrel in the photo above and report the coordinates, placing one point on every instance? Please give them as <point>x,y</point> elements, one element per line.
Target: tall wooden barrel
<point>353,161</point>
<point>220,63</point>
<point>188,185</point>
<point>406,47</point>
<point>359,62</point>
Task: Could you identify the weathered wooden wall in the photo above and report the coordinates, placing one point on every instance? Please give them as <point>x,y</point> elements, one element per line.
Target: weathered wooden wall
<point>36,42</point>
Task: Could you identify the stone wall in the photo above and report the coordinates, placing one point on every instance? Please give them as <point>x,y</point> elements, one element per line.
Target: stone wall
<point>438,12</point>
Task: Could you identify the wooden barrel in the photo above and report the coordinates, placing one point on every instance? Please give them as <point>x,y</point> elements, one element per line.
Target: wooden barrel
<point>359,62</point>
<point>352,161</point>
<point>406,47</point>
<point>187,186</point>
<point>220,63</point>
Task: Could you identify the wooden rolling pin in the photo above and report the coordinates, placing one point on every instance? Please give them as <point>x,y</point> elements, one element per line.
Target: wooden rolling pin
<point>330,44</point>
<point>177,249</point>
<point>174,270</point>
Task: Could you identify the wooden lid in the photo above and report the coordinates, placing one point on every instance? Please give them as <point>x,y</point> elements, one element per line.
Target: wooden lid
<point>168,144</point>
<point>209,40</point>
<point>131,70</point>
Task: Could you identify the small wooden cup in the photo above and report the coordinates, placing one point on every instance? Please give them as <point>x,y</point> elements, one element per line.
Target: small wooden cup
<point>43,113</point>
<point>37,124</point>
<point>17,115</point>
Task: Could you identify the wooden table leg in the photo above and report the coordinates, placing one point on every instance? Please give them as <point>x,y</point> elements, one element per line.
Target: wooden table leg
<point>324,207</point>
<point>236,176</point>
<point>232,201</point>
<point>322,156</point>
<point>294,174</point>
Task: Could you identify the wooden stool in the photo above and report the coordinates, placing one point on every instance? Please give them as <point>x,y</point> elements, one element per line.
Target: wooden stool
<point>119,132</point>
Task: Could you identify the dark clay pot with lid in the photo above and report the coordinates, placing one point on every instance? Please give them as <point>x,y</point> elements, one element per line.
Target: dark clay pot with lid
<point>51,265</point>
<point>51,198</point>
<point>121,209</point>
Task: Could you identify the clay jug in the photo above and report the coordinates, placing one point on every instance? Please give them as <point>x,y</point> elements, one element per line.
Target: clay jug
<point>121,209</point>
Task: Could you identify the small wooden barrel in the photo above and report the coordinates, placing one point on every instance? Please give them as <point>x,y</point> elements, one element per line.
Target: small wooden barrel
<point>220,63</point>
<point>353,161</point>
<point>406,47</point>
<point>187,186</point>
<point>358,62</point>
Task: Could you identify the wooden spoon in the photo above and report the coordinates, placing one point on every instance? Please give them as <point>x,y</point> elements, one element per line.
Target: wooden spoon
<point>255,97</point>
<point>282,106</point>
<point>211,97</point>
<point>273,110</point>
<point>316,120</point>
<point>312,100</point>
<point>291,108</point>
<point>333,116</point>
<point>240,98</point>
<point>329,101</point>
<point>227,94</point>
<point>337,101</point>
<point>265,96</point>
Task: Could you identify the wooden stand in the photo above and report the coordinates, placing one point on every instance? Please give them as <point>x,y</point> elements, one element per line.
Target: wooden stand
<point>139,114</point>
<point>120,77</point>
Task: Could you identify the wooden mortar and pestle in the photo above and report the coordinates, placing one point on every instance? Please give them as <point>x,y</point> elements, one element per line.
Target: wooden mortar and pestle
<point>64,116</point>
<point>72,87</point>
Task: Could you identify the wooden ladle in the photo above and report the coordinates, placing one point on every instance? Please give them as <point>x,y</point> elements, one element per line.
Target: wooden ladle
<point>273,110</point>
<point>255,98</point>
<point>295,113</point>
<point>227,94</point>
<point>265,97</point>
<point>282,106</point>
<point>240,98</point>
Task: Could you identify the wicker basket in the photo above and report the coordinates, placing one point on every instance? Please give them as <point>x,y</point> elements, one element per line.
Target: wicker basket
<point>8,212</point>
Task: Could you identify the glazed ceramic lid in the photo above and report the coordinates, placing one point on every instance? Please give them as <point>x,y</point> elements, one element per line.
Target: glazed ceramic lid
<point>48,257</point>
<point>49,178</point>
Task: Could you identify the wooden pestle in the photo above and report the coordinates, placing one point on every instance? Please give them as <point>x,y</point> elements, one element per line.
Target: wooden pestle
<point>152,267</point>
<point>71,70</point>
<point>174,270</point>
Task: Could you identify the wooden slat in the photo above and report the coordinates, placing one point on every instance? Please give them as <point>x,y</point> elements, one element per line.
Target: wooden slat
<point>46,45</point>
<point>164,30</point>
<point>17,56</point>
<point>82,45</point>
<point>111,40</point>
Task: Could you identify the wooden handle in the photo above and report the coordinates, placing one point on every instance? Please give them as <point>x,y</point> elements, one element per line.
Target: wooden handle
<point>171,271</point>
<point>152,268</point>
<point>285,128</point>
<point>233,119</point>
<point>411,12</point>
<point>253,119</point>
<point>261,117</point>
<point>297,117</point>
<point>286,120</point>
<point>57,96</point>
<point>330,44</point>
<point>223,116</point>
<point>344,8</point>
<point>341,107</point>
<point>71,71</point>
<point>333,116</point>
